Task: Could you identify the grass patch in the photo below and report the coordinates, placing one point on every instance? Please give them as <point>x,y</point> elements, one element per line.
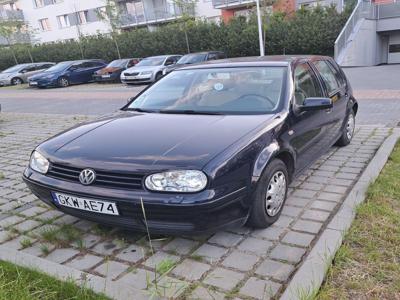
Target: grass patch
<point>62,236</point>
<point>2,176</point>
<point>18,283</point>
<point>367,265</point>
<point>165,266</point>
<point>26,242</point>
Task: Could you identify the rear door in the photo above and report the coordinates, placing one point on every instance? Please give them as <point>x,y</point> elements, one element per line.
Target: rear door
<point>307,129</point>
<point>336,89</point>
<point>76,73</point>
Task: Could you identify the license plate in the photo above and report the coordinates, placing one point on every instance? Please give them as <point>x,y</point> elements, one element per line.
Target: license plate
<point>131,77</point>
<point>92,205</point>
<point>106,76</point>
<point>33,83</point>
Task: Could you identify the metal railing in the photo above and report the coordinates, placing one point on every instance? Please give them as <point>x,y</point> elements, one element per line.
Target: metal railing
<point>226,3</point>
<point>364,10</point>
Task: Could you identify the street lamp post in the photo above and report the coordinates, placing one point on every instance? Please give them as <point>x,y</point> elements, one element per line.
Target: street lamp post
<point>260,35</point>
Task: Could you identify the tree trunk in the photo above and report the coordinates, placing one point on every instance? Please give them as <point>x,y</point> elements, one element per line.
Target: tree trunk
<point>30,54</point>
<point>187,41</point>
<point>116,46</point>
<point>12,51</point>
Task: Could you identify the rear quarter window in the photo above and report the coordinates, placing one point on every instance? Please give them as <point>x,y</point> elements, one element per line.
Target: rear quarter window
<point>328,75</point>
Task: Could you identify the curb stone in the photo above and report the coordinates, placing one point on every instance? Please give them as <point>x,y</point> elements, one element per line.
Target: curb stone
<point>311,273</point>
<point>111,289</point>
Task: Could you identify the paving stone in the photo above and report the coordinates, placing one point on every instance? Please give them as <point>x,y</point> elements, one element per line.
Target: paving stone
<point>291,211</point>
<point>317,179</point>
<point>106,248</point>
<point>172,288</point>
<point>17,243</point>
<point>335,189</point>
<point>133,253</point>
<point>49,215</point>
<point>241,261</point>
<point>210,253</point>
<point>342,182</point>
<point>283,221</point>
<point>4,235</point>
<point>30,212</point>
<point>87,241</point>
<point>225,239</point>
<point>315,215</point>
<point>260,289</point>
<point>37,249</point>
<point>312,186</point>
<point>297,238</point>
<point>154,260</point>
<point>180,246</point>
<point>10,221</point>
<point>202,293</point>
<point>85,262</point>
<point>111,268</point>
<point>271,233</point>
<point>190,269</point>
<point>307,194</point>
<point>287,253</point>
<point>330,196</point>
<point>307,226</point>
<point>138,278</point>
<point>26,225</point>
<point>275,269</point>
<point>324,205</point>
<point>66,220</point>
<point>296,201</point>
<point>62,255</point>
<point>257,246</point>
<point>39,231</point>
<point>223,278</point>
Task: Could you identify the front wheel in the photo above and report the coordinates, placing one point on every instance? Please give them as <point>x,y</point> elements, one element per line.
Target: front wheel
<point>270,195</point>
<point>16,81</point>
<point>348,130</point>
<point>63,82</point>
<point>158,76</point>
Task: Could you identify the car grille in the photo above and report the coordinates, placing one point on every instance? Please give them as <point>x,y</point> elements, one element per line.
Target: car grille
<point>103,179</point>
<point>131,74</point>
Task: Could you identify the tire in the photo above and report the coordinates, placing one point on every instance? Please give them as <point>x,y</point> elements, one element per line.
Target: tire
<point>63,82</point>
<point>347,131</point>
<point>263,212</point>
<point>158,76</point>
<point>16,81</point>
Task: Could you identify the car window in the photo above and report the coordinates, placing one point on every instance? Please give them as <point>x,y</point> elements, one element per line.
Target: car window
<point>132,62</point>
<point>78,66</point>
<point>221,55</point>
<point>341,78</point>
<point>241,90</point>
<point>44,66</point>
<point>29,69</point>
<point>306,84</point>
<point>328,76</point>
<point>170,61</point>
<point>212,56</point>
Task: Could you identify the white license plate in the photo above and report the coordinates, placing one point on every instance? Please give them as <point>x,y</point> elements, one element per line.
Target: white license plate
<point>106,76</point>
<point>33,83</point>
<point>92,205</point>
<point>131,77</point>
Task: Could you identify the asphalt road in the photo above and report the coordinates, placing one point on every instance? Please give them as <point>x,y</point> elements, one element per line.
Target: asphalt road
<point>377,90</point>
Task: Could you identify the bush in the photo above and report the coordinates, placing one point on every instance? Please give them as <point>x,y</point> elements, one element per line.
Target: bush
<point>304,32</point>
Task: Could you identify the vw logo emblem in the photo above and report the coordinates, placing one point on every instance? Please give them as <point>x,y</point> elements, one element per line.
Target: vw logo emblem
<point>87,177</point>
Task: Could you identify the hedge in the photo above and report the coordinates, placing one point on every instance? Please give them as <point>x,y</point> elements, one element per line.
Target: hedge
<point>303,32</point>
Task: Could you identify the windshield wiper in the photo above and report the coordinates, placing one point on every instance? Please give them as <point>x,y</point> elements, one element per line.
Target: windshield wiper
<point>141,110</point>
<point>188,112</point>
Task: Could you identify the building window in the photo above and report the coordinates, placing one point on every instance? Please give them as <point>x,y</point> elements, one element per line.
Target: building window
<point>57,1</point>
<point>44,24</point>
<point>102,11</point>
<point>82,17</point>
<point>39,3</point>
<point>63,21</point>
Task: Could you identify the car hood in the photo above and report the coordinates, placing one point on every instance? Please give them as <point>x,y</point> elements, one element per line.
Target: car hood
<point>130,141</point>
<point>6,75</point>
<point>143,69</point>
<point>43,74</point>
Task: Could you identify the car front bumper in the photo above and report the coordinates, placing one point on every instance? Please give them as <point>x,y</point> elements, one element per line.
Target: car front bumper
<point>43,83</point>
<point>165,213</point>
<point>138,79</point>
<point>5,81</point>
<point>101,78</point>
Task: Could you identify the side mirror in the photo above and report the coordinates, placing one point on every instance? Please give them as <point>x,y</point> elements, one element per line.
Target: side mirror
<point>315,103</point>
<point>169,63</point>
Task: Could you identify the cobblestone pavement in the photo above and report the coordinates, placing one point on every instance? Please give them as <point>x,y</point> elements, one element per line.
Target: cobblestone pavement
<point>239,262</point>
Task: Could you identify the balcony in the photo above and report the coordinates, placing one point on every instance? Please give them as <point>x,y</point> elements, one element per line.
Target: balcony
<point>15,15</point>
<point>152,12</point>
<point>232,3</point>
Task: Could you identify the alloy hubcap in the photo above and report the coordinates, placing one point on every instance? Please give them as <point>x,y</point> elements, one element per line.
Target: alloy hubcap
<point>276,193</point>
<point>350,127</point>
<point>17,81</point>
<point>64,82</point>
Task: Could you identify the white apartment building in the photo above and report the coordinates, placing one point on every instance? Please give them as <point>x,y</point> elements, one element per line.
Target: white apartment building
<point>55,20</point>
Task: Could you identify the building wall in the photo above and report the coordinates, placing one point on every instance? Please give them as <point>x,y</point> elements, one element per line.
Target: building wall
<point>206,10</point>
<point>33,15</point>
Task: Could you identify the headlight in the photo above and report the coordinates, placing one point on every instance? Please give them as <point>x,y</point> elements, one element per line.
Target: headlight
<point>146,73</point>
<point>39,163</point>
<point>184,181</point>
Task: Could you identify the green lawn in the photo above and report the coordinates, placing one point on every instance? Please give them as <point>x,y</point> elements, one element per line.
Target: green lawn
<point>17,283</point>
<point>367,266</point>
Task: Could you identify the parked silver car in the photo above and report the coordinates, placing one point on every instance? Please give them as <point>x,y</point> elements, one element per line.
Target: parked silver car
<point>19,74</point>
<point>149,69</point>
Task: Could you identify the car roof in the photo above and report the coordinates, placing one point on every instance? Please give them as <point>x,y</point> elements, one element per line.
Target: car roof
<point>204,52</point>
<point>272,60</point>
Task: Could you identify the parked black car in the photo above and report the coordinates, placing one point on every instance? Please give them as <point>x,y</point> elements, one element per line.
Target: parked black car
<point>205,147</point>
<point>66,73</point>
<point>113,70</point>
<point>195,58</point>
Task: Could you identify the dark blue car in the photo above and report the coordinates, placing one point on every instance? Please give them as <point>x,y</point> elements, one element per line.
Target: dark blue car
<point>205,147</point>
<point>66,73</point>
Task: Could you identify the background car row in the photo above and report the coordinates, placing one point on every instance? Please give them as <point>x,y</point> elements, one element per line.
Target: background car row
<point>128,70</point>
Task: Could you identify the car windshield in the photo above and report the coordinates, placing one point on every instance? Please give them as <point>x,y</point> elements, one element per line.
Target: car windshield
<point>191,59</point>
<point>59,67</point>
<point>241,90</point>
<point>119,63</point>
<point>151,61</point>
<point>14,69</point>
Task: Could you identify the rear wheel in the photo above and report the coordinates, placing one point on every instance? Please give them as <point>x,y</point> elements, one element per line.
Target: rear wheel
<point>63,82</point>
<point>158,76</point>
<point>16,81</point>
<point>270,195</point>
<point>348,130</point>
